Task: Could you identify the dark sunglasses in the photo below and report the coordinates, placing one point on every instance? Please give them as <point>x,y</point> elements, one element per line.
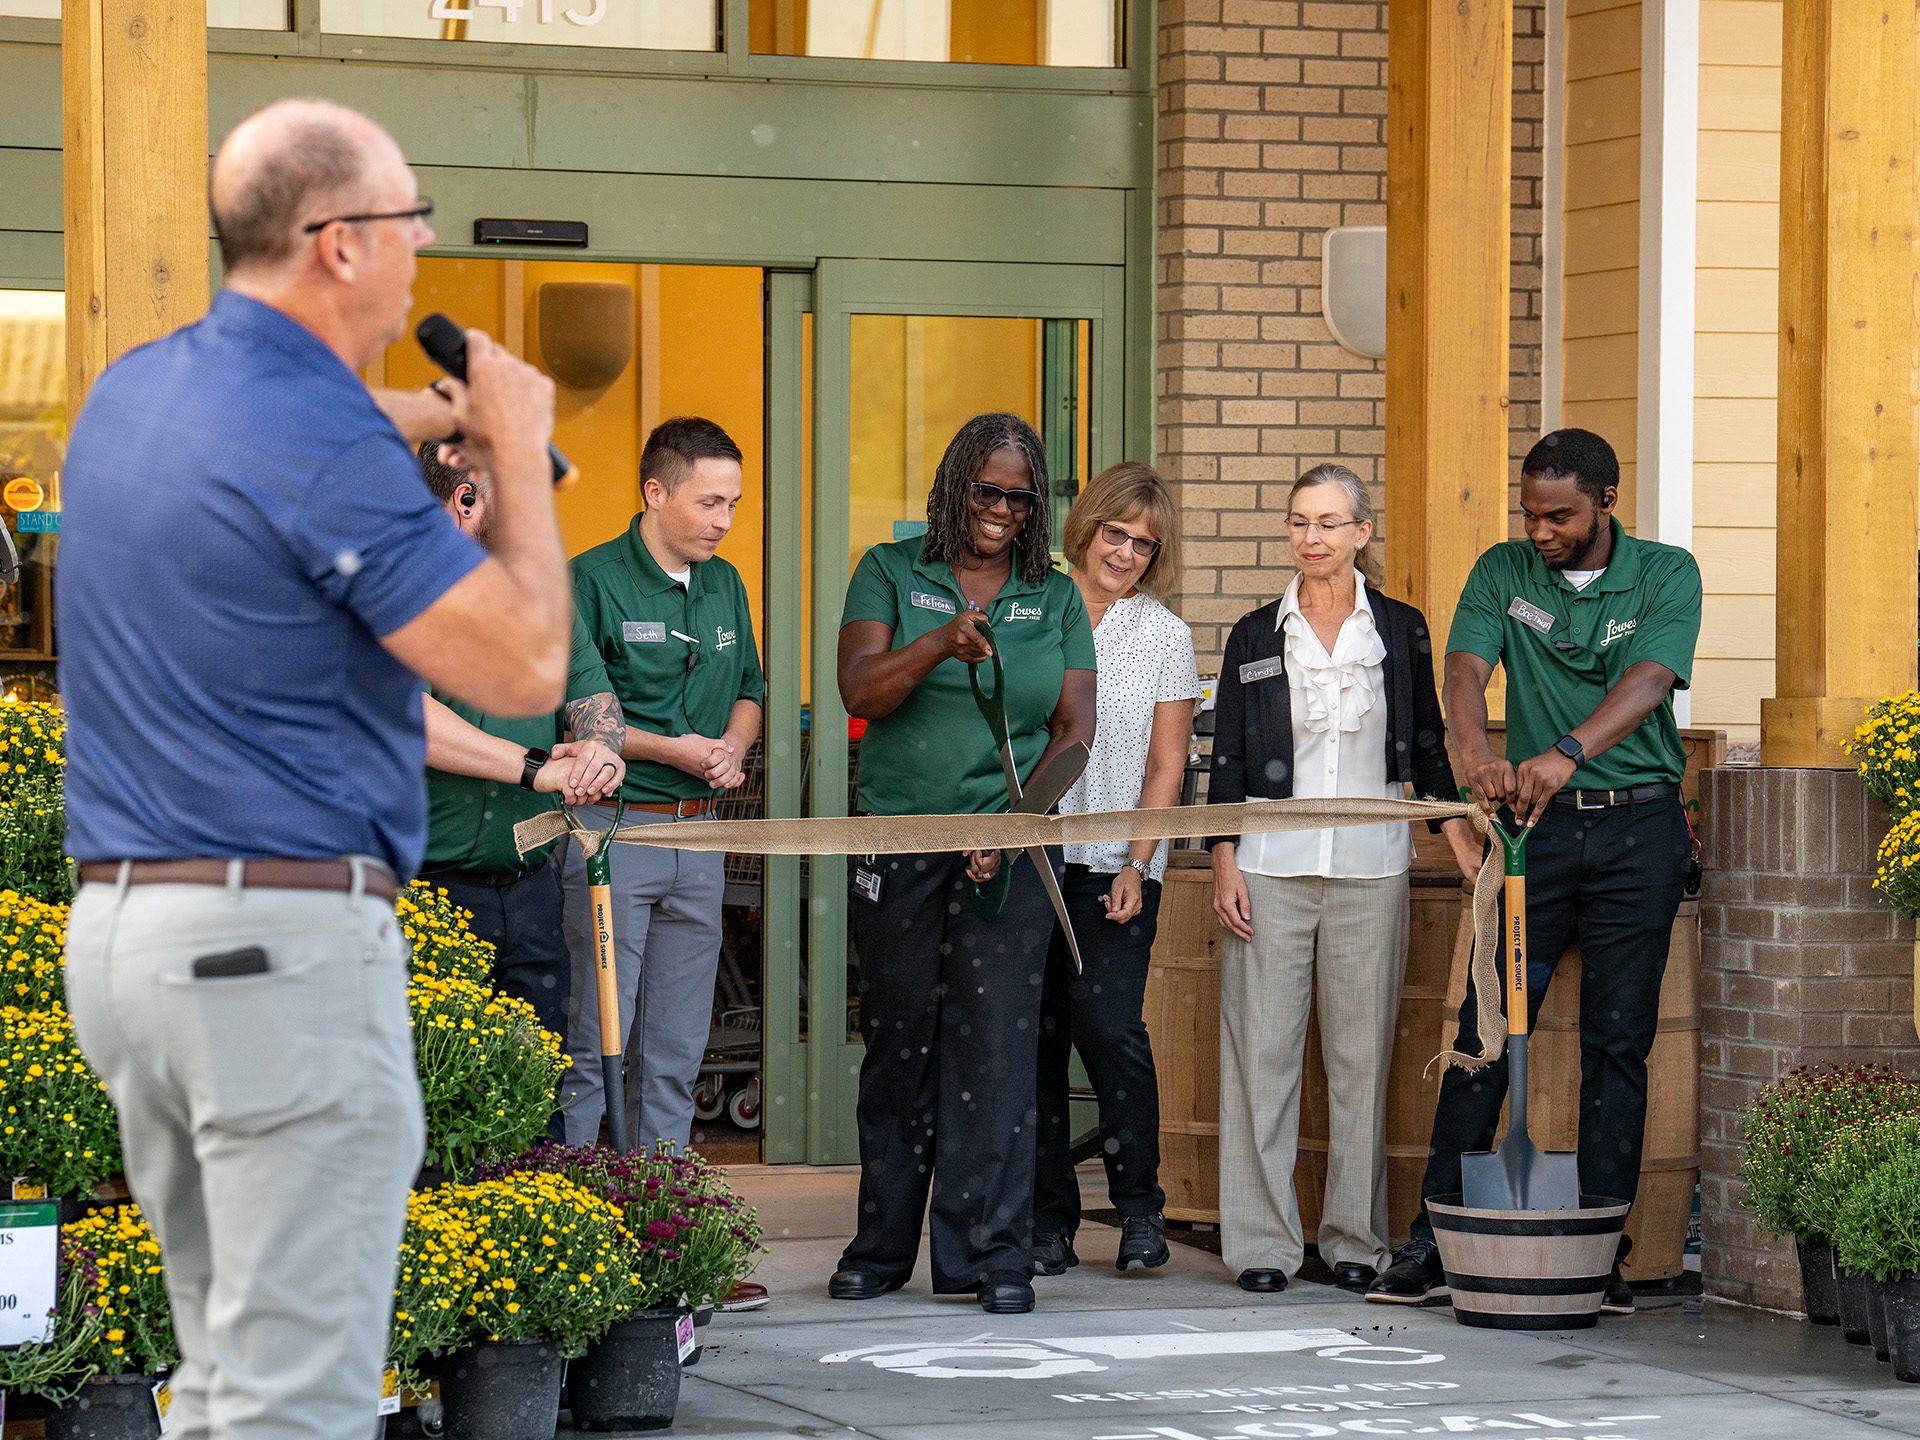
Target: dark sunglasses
<point>422,211</point>
<point>986,497</point>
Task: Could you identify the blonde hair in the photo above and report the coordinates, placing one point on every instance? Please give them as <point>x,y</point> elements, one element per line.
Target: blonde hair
<point>1118,493</point>
<point>1367,562</point>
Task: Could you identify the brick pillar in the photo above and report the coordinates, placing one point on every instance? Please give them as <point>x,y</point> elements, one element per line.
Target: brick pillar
<point>1271,131</point>
<point>1800,963</point>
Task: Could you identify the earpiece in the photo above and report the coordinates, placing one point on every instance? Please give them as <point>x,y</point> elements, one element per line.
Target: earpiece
<point>466,497</point>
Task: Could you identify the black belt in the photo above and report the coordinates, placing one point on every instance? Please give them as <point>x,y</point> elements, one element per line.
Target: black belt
<point>499,880</point>
<point>1609,799</point>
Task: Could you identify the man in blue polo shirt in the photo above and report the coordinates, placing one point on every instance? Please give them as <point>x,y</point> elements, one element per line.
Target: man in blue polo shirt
<point>252,578</point>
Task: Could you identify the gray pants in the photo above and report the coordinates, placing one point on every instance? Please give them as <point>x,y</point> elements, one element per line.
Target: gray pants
<point>1339,946</point>
<point>272,1125</point>
<point>666,936</point>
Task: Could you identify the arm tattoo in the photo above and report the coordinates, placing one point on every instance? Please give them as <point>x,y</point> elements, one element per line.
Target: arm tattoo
<point>597,717</point>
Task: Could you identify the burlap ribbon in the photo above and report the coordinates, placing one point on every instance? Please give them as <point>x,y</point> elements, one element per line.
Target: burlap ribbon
<point>920,834</point>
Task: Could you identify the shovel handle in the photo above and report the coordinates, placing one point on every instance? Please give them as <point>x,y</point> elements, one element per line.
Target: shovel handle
<point>1516,947</point>
<point>606,975</point>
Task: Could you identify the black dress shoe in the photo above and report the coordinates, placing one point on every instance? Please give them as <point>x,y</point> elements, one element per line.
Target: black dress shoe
<point>1005,1293</point>
<point>1263,1282</point>
<point>853,1283</point>
<point>1352,1275</point>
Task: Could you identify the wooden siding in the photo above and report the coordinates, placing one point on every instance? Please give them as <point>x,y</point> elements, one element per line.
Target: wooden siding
<point>1736,359</point>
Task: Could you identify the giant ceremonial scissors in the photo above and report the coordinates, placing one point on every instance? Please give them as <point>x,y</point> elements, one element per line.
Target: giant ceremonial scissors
<point>1041,793</point>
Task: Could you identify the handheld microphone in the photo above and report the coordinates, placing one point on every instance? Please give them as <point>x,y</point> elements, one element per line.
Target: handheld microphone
<point>446,345</point>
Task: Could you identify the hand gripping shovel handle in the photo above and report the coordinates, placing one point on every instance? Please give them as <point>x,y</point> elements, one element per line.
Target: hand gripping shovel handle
<point>607,976</point>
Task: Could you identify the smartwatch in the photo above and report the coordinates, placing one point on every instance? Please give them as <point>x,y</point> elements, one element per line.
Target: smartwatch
<point>530,766</point>
<point>1572,749</point>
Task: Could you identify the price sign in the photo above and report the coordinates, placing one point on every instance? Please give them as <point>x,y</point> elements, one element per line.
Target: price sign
<point>29,1271</point>
<point>683,1332</point>
<point>389,1391</point>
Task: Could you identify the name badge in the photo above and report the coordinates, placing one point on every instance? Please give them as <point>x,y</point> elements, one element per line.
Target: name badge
<point>867,883</point>
<point>643,632</point>
<point>1262,669</point>
<point>923,601</point>
<point>1530,615</point>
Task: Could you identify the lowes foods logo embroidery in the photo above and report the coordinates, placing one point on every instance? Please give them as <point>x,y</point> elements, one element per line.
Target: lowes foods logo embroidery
<point>1023,612</point>
<point>1618,630</point>
<point>727,637</point>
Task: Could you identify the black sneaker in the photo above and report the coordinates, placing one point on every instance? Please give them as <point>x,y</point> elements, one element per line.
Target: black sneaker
<point>1053,1254</point>
<point>1619,1297</point>
<point>1143,1243</point>
<point>1414,1277</point>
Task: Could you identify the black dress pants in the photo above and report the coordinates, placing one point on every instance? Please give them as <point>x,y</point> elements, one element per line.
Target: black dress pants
<point>950,1009</point>
<point>1098,1014</point>
<point>520,916</point>
<point>1611,879</point>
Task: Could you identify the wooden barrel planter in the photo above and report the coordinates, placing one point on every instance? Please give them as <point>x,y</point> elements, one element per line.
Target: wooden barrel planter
<point>1670,1161</point>
<point>1528,1269</point>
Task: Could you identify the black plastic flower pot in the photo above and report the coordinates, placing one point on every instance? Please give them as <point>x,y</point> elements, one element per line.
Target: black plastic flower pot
<point>504,1390</point>
<point>629,1379</point>
<point>108,1407</point>
<point>1877,1318</point>
<point>1819,1285</point>
<point>1902,1301</point>
<point>1853,1309</point>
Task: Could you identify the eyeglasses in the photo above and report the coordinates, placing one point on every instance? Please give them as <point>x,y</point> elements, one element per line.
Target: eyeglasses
<point>1325,527</point>
<point>422,211</point>
<point>988,496</point>
<point>1113,535</point>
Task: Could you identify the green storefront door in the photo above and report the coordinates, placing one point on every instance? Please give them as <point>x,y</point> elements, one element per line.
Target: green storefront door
<point>871,366</point>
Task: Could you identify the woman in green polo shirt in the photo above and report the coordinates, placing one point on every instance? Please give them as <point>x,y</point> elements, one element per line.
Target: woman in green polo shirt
<point>950,1002</point>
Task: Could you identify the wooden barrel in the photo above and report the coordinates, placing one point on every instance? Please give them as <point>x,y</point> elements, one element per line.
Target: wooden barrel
<point>1670,1162</point>
<point>1183,1017</point>
<point>1527,1269</point>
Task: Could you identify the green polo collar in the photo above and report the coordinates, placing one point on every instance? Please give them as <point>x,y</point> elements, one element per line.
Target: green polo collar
<point>646,571</point>
<point>941,573</point>
<point>1622,572</point>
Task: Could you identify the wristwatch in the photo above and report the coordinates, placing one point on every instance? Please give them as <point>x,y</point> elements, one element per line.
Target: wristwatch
<point>1141,865</point>
<point>530,766</point>
<point>1572,749</point>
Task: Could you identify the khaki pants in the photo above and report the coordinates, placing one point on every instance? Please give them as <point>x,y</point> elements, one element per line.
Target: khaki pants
<point>1341,947</point>
<point>272,1126</point>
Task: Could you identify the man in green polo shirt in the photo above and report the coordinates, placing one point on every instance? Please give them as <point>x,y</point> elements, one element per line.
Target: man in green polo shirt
<point>662,643</point>
<point>485,775</point>
<point>1596,630</point>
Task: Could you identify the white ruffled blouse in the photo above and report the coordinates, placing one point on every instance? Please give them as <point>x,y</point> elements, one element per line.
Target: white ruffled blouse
<point>1339,703</point>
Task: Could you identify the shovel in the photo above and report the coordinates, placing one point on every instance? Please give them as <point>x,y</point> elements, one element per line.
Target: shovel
<point>1517,1176</point>
<point>612,1042</point>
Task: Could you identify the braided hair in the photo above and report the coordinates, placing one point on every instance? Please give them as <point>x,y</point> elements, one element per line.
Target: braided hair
<point>949,507</point>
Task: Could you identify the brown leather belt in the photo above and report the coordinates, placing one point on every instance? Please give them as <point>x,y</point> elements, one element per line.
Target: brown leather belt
<point>377,880</point>
<point>679,809</point>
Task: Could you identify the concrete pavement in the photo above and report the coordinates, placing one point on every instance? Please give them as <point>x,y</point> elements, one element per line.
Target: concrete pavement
<point>1182,1354</point>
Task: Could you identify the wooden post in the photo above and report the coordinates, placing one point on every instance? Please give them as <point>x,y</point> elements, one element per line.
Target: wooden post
<point>1847,455</point>
<point>134,77</point>
<point>1449,187</point>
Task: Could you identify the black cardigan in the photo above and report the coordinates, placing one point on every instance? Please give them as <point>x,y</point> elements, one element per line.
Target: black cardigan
<point>1253,723</point>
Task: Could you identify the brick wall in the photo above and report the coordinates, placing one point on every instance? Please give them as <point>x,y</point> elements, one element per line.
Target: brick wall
<point>1273,130</point>
<point>1800,963</point>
